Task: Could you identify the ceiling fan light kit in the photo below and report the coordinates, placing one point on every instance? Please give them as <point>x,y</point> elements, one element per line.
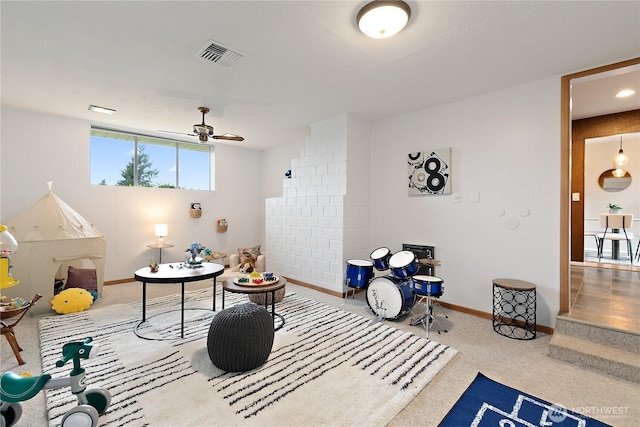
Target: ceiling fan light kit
<point>204,131</point>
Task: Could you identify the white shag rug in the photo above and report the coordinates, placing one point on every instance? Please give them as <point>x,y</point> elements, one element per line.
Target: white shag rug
<point>327,366</point>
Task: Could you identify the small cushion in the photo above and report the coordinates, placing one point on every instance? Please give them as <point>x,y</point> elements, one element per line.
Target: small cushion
<point>72,300</point>
<point>84,278</point>
<point>246,253</point>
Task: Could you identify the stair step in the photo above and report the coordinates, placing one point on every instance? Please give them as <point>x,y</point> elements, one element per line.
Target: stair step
<point>611,337</point>
<point>603,350</point>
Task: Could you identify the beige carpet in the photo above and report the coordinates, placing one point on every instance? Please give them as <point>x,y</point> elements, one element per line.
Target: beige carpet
<point>524,365</point>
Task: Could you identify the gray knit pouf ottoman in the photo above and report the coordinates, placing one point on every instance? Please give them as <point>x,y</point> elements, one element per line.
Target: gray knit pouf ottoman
<point>261,297</point>
<point>240,338</point>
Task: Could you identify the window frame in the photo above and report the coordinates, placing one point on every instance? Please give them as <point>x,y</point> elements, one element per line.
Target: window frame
<point>140,138</point>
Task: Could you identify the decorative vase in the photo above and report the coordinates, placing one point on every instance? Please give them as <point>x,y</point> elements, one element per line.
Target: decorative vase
<point>615,211</point>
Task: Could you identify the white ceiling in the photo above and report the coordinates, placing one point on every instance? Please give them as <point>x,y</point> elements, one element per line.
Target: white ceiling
<point>304,61</point>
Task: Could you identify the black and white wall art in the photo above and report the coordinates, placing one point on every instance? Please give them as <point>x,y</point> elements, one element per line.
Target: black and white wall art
<point>429,172</point>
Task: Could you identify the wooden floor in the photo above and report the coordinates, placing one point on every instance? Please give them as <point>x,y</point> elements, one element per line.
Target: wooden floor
<point>607,295</point>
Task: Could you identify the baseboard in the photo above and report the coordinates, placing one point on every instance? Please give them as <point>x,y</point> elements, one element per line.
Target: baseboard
<point>314,287</point>
<point>115,282</point>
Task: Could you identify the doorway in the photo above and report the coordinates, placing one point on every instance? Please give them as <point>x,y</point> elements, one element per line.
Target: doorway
<point>574,230</point>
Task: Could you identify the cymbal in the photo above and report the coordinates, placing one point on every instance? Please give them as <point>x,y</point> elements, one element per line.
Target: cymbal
<point>429,261</point>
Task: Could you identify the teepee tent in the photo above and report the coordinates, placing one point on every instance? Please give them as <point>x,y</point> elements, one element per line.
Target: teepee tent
<point>52,236</point>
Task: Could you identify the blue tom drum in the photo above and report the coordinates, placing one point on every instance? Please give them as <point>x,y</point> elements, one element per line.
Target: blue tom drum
<point>380,258</point>
<point>428,286</point>
<point>359,273</point>
<point>404,264</point>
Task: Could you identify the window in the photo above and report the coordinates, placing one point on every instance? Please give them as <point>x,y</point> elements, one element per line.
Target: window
<point>127,159</point>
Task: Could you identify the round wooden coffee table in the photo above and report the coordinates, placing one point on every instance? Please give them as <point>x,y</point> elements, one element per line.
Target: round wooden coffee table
<point>230,286</point>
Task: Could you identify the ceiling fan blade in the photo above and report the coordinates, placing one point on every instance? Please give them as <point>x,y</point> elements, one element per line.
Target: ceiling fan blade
<point>177,133</point>
<point>228,137</point>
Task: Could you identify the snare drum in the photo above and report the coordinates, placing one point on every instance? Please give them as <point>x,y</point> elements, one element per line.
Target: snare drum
<point>390,297</point>
<point>428,286</point>
<point>358,274</point>
<point>404,264</point>
<point>380,258</point>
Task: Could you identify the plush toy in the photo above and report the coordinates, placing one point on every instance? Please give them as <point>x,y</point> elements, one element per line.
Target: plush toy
<point>72,300</point>
<point>247,266</point>
<point>211,256</point>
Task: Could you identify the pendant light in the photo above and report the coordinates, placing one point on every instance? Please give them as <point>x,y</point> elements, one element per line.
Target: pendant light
<point>621,159</point>
<point>382,19</point>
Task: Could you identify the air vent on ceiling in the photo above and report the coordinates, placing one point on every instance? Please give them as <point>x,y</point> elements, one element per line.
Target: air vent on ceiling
<point>215,52</point>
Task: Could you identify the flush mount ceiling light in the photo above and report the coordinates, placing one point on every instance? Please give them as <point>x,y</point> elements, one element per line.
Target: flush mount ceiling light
<point>624,93</point>
<point>381,19</point>
<point>102,110</point>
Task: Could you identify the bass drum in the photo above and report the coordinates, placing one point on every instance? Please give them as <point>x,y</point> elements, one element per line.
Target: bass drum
<point>390,297</point>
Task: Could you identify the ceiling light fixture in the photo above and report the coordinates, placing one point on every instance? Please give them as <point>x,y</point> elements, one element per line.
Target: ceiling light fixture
<point>624,93</point>
<point>382,19</point>
<point>102,110</point>
<point>621,159</point>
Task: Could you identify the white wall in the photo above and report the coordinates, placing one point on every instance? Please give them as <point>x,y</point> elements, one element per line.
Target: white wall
<point>59,152</point>
<point>505,146</point>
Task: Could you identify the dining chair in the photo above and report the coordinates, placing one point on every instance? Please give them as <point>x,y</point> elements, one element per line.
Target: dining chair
<point>616,228</point>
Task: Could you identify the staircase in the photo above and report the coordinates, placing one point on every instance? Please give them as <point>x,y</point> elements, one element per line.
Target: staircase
<point>609,350</point>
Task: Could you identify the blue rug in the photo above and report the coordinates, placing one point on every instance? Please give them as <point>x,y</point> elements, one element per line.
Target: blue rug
<point>488,403</point>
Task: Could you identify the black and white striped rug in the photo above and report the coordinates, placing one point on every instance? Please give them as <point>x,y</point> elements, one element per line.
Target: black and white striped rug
<point>327,367</point>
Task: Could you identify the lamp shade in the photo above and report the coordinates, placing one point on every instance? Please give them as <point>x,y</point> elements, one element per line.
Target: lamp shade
<point>381,19</point>
<point>161,230</point>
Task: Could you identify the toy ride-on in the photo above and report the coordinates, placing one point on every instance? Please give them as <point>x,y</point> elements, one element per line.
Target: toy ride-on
<point>92,403</point>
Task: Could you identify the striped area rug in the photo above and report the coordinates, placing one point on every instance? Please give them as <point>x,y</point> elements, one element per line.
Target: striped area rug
<point>327,367</point>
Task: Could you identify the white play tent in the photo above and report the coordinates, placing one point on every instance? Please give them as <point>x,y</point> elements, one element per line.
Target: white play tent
<point>51,236</point>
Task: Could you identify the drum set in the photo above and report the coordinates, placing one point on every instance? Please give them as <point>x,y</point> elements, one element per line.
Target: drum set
<point>394,295</point>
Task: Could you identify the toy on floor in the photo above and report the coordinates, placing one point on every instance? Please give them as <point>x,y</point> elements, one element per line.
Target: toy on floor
<point>72,300</point>
<point>92,403</point>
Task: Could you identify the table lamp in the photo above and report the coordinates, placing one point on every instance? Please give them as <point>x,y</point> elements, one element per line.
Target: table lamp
<point>8,245</point>
<point>161,231</point>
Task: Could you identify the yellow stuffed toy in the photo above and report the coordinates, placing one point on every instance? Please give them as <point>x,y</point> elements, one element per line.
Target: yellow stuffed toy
<point>72,300</point>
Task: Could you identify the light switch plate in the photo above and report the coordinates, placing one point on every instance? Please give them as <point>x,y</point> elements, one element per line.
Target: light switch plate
<point>575,197</point>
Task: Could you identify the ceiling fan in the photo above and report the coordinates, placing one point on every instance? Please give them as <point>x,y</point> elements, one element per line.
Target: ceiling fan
<point>204,131</point>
